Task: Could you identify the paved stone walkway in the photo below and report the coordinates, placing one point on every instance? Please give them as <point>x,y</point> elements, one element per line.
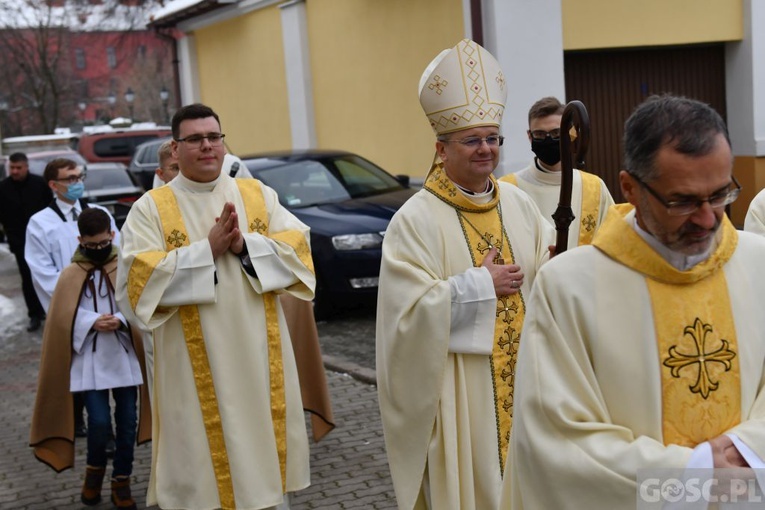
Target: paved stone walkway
<point>349,468</point>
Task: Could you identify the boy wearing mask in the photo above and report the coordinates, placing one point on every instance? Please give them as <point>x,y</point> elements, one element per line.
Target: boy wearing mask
<point>541,180</point>
<point>89,348</point>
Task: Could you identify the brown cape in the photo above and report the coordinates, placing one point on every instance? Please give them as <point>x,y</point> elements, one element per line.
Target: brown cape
<point>52,435</point>
<point>310,367</point>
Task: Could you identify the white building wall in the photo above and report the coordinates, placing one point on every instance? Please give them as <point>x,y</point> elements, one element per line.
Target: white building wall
<point>745,83</point>
<point>189,70</point>
<point>526,37</point>
<point>297,63</point>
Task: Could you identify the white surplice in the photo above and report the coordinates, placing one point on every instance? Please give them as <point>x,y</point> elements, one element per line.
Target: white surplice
<point>544,188</point>
<point>50,244</point>
<point>101,359</point>
<point>234,326</point>
<point>437,405</point>
<point>755,215</point>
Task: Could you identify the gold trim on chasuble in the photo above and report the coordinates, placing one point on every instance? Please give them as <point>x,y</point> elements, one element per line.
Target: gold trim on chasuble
<point>695,331</point>
<point>590,213</point>
<point>700,377</point>
<point>590,205</point>
<point>257,221</point>
<point>483,229</point>
<point>511,178</point>
<point>172,222</point>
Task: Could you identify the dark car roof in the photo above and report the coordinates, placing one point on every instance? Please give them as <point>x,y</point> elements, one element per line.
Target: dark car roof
<point>276,158</point>
<point>353,215</point>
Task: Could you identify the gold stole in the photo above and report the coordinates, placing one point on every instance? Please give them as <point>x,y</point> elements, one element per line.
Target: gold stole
<point>695,333</point>
<point>483,229</point>
<point>590,213</point>
<point>590,204</point>
<point>140,271</point>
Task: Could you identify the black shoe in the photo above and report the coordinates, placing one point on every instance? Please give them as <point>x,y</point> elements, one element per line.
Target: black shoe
<point>80,431</point>
<point>34,324</point>
<point>110,447</point>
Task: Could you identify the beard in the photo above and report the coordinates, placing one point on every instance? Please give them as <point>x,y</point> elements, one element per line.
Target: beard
<point>689,239</point>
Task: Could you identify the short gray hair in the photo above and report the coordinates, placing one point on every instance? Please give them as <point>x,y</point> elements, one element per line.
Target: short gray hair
<point>688,126</point>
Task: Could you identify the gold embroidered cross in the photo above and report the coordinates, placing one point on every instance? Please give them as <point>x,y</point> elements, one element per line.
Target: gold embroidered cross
<point>589,223</point>
<point>445,185</point>
<point>500,80</point>
<point>257,226</point>
<point>176,238</point>
<point>510,339</point>
<point>678,360</point>
<point>438,85</point>
<point>506,373</point>
<point>490,242</point>
<point>504,308</point>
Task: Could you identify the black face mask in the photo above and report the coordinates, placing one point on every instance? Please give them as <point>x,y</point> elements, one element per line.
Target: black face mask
<point>547,150</point>
<point>97,255</point>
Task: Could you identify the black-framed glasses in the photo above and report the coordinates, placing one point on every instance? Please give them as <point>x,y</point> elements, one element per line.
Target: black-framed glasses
<point>540,135</point>
<point>195,141</point>
<point>475,141</point>
<point>73,179</point>
<point>98,246</point>
<point>691,205</point>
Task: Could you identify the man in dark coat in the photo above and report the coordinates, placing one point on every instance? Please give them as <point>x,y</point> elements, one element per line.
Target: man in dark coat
<point>21,195</point>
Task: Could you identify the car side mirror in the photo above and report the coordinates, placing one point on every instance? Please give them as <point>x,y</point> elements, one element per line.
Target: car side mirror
<point>403,180</point>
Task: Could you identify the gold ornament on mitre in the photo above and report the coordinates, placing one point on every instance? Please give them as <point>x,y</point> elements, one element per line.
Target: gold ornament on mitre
<point>463,88</point>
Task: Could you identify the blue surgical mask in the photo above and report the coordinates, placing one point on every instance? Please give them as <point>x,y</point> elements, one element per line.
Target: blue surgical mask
<point>74,191</point>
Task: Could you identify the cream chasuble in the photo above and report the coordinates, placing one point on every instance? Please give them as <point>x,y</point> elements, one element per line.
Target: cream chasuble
<point>628,363</point>
<point>447,416</point>
<point>590,199</point>
<point>229,429</point>
<point>755,215</point>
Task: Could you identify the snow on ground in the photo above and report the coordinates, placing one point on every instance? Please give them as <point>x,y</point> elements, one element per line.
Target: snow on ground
<point>13,314</point>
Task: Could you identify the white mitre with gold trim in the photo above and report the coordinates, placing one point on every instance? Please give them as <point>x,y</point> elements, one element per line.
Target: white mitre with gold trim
<point>463,88</point>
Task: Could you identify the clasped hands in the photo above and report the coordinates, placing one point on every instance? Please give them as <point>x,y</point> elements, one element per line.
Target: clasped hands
<point>107,322</point>
<point>225,234</point>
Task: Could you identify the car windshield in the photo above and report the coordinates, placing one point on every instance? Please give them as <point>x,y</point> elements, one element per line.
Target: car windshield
<point>306,183</point>
<point>107,178</point>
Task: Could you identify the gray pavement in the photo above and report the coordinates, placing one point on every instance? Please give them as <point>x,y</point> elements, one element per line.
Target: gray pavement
<point>349,467</point>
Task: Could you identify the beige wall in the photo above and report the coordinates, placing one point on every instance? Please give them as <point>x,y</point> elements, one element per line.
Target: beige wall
<point>242,77</point>
<point>750,173</point>
<point>589,24</point>
<point>367,57</point>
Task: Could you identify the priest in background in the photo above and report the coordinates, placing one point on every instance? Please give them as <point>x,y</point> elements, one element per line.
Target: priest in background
<point>541,179</point>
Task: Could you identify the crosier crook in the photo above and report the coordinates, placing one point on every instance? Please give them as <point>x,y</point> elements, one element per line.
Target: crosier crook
<point>574,135</point>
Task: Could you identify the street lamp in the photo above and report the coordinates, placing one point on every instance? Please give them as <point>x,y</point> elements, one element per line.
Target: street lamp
<point>112,99</point>
<point>82,106</point>
<point>164,95</point>
<point>129,97</point>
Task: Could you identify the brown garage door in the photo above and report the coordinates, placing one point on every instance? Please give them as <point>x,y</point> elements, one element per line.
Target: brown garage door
<point>612,83</point>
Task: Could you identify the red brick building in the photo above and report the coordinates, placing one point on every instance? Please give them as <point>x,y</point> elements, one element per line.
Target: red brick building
<point>66,63</point>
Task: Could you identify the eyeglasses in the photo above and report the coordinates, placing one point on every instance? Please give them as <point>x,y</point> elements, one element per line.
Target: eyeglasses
<point>73,179</point>
<point>195,141</point>
<point>98,246</point>
<point>691,205</point>
<point>541,135</point>
<point>474,141</point>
